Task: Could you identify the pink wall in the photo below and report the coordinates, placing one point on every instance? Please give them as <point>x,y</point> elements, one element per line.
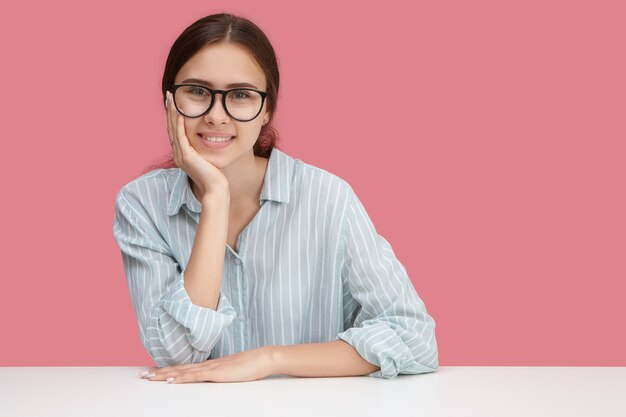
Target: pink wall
<point>486,141</point>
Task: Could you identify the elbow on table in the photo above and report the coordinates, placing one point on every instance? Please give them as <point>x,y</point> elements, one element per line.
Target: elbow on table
<point>420,366</point>
<point>421,356</point>
<point>428,360</point>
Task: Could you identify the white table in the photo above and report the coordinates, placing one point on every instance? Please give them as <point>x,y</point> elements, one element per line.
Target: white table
<point>452,391</point>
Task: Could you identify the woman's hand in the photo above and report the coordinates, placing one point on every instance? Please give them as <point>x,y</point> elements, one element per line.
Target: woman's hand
<point>206,176</point>
<point>250,365</point>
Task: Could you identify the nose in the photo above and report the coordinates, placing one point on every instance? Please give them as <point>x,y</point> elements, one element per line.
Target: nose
<point>217,112</point>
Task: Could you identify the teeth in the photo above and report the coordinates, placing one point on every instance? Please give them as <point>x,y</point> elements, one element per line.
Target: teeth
<point>216,139</point>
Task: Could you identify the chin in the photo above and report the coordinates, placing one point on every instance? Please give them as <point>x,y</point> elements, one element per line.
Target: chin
<point>219,161</point>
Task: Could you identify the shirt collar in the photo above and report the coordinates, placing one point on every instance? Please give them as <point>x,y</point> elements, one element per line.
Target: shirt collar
<point>276,184</point>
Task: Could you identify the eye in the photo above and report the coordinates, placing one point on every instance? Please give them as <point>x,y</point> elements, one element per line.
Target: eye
<point>241,94</point>
<point>197,91</point>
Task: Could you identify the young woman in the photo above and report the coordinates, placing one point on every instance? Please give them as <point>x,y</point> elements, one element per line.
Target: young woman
<point>243,262</point>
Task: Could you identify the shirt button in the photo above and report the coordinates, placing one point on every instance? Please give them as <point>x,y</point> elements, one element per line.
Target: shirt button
<point>242,317</point>
<point>237,261</point>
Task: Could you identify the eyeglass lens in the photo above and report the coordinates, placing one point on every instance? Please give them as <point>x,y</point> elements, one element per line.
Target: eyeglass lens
<point>242,104</point>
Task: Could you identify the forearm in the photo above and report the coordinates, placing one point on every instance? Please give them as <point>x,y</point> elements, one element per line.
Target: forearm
<point>336,358</point>
<point>203,275</point>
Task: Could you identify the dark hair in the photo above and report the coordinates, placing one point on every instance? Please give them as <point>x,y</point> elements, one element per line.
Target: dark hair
<point>224,27</point>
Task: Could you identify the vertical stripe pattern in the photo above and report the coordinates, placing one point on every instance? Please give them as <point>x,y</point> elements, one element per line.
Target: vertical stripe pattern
<point>310,267</point>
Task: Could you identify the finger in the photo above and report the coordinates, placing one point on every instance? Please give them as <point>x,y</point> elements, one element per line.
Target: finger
<point>170,126</point>
<point>194,375</point>
<point>183,141</point>
<point>169,370</point>
<point>173,117</point>
<point>161,374</point>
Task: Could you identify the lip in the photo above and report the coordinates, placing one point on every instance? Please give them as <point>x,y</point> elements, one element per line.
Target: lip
<point>218,134</point>
<point>216,145</point>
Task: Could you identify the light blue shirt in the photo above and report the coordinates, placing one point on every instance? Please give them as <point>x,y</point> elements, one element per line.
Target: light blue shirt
<point>310,267</point>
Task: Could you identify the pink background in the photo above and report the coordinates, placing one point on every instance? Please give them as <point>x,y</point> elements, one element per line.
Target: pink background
<point>486,140</point>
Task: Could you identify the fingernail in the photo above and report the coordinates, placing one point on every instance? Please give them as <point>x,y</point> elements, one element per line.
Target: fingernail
<point>170,379</point>
<point>150,375</point>
<point>144,373</point>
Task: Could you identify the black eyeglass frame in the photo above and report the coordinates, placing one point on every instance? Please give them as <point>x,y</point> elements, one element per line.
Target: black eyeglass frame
<point>264,95</point>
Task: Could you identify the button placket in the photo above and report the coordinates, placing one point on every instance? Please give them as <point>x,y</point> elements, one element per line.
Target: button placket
<point>239,266</point>
<point>243,315</point>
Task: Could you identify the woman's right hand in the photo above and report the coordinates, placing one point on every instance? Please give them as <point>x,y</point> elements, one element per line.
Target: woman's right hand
<point>207,177</point>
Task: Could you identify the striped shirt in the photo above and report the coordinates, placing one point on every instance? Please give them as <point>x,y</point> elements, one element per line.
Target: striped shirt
<point>310,267</point>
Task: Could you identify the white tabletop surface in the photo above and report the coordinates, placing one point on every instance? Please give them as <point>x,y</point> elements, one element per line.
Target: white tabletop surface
<point>452,391</point>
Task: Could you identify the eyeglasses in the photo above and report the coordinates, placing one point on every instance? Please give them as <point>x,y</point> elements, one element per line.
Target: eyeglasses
<point>242,104</point>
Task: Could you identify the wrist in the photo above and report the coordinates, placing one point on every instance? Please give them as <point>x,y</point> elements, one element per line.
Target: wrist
<point>218,196</point>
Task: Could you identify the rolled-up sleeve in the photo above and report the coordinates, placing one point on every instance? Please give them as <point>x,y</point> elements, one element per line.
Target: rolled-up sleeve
<point>172,329</point>
<point>392,328</point>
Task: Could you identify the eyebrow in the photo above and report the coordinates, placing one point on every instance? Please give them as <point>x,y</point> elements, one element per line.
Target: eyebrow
<point>208,84</point>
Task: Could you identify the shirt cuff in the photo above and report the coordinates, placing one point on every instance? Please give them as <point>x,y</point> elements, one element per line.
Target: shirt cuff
<point>203,325</point>
<point>380,345</point>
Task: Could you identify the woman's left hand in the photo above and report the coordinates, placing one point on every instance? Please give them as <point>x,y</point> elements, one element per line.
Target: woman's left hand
<point>249,365</point>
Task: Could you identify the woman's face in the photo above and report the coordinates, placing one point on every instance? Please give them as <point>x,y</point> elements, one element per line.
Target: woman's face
<point>219,65</point>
